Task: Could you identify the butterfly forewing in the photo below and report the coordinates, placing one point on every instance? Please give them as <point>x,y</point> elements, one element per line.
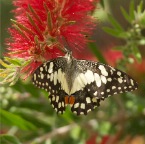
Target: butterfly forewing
<point>47,77</point>
<point>105,80</point>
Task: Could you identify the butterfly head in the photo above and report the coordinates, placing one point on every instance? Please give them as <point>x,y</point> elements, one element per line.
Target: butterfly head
<point>68,56</point>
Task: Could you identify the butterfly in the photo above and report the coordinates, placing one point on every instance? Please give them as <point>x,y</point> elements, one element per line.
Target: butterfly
<point>80,83</point>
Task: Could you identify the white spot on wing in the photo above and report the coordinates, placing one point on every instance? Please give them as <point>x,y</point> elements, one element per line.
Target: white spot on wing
<point>103,78</point>
<point>103,70</point>
<point>62,103</point>
<point>53,98</point>
<point>45,67</point>
<point>81,113</point>
<point>59,104</point>
<point>48,76</point>
<point>55,78</point>
<point>88,110</point>
<point>74,112</point>
<point>95,93</point>
<point>57,98</point>
<point>51,77</point>
<point>94,99</point>
<point>89,76</point>
<point>108,90</point>
<point>42,76</point>
<point>41,68</point>
<point>119,73</point>
<point>132,83</point>
<point>88,100</point>
<point>82,106</point>
<point>97,79</point>
<point>34,76</point>
<point>109,79</point>
<point>50,70</point>
<point>53,105</point>
<point>76,105</point>
<point>120,80</point>
<point>113,87</point>
<point>59,75</point>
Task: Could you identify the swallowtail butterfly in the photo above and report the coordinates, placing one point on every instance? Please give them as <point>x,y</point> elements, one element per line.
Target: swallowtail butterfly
<point>80,83</point>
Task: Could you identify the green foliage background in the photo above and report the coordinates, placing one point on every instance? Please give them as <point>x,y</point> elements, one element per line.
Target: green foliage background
<point>26,115</point>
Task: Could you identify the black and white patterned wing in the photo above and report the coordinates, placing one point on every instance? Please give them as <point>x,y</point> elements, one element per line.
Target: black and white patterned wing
<point>96,81</point>
<point>49,76</point>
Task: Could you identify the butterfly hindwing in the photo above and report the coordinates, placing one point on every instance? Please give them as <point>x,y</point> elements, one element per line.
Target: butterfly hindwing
<point>84,103</point>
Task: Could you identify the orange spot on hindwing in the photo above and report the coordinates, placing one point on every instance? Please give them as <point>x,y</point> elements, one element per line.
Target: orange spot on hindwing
<point>69,100</point>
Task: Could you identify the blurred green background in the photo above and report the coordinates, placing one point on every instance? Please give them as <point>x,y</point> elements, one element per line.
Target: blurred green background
<point>28,118</point>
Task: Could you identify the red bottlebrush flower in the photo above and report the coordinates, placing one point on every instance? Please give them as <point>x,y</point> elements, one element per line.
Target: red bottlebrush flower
<point>43,27</point>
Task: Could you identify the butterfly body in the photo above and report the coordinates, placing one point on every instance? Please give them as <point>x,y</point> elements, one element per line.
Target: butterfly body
<point>87,81</point>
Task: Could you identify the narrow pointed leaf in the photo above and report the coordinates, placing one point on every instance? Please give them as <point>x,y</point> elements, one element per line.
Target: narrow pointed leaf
<point>115,23</point>
<point>9,139</point>
<point>131,10</point>
<point>111,31</point>
<point>126,15</point>
<point>13,119</point>
<point>137,54</point>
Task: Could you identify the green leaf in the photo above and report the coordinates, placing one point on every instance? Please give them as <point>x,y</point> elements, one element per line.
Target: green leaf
<point>115,24</point>
<point>97,52</point>
<point>17,62</point>
<point>13,119</point>
<point>137,54</point>
<point>111,31</point>
<point>131,10</point>
<point>117,33</point>
<point>8,139</point>
<point>140,7</point>
<point>126,15</point>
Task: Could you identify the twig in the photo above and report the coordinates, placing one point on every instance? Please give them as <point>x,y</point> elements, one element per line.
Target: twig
<point>58,131</point>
